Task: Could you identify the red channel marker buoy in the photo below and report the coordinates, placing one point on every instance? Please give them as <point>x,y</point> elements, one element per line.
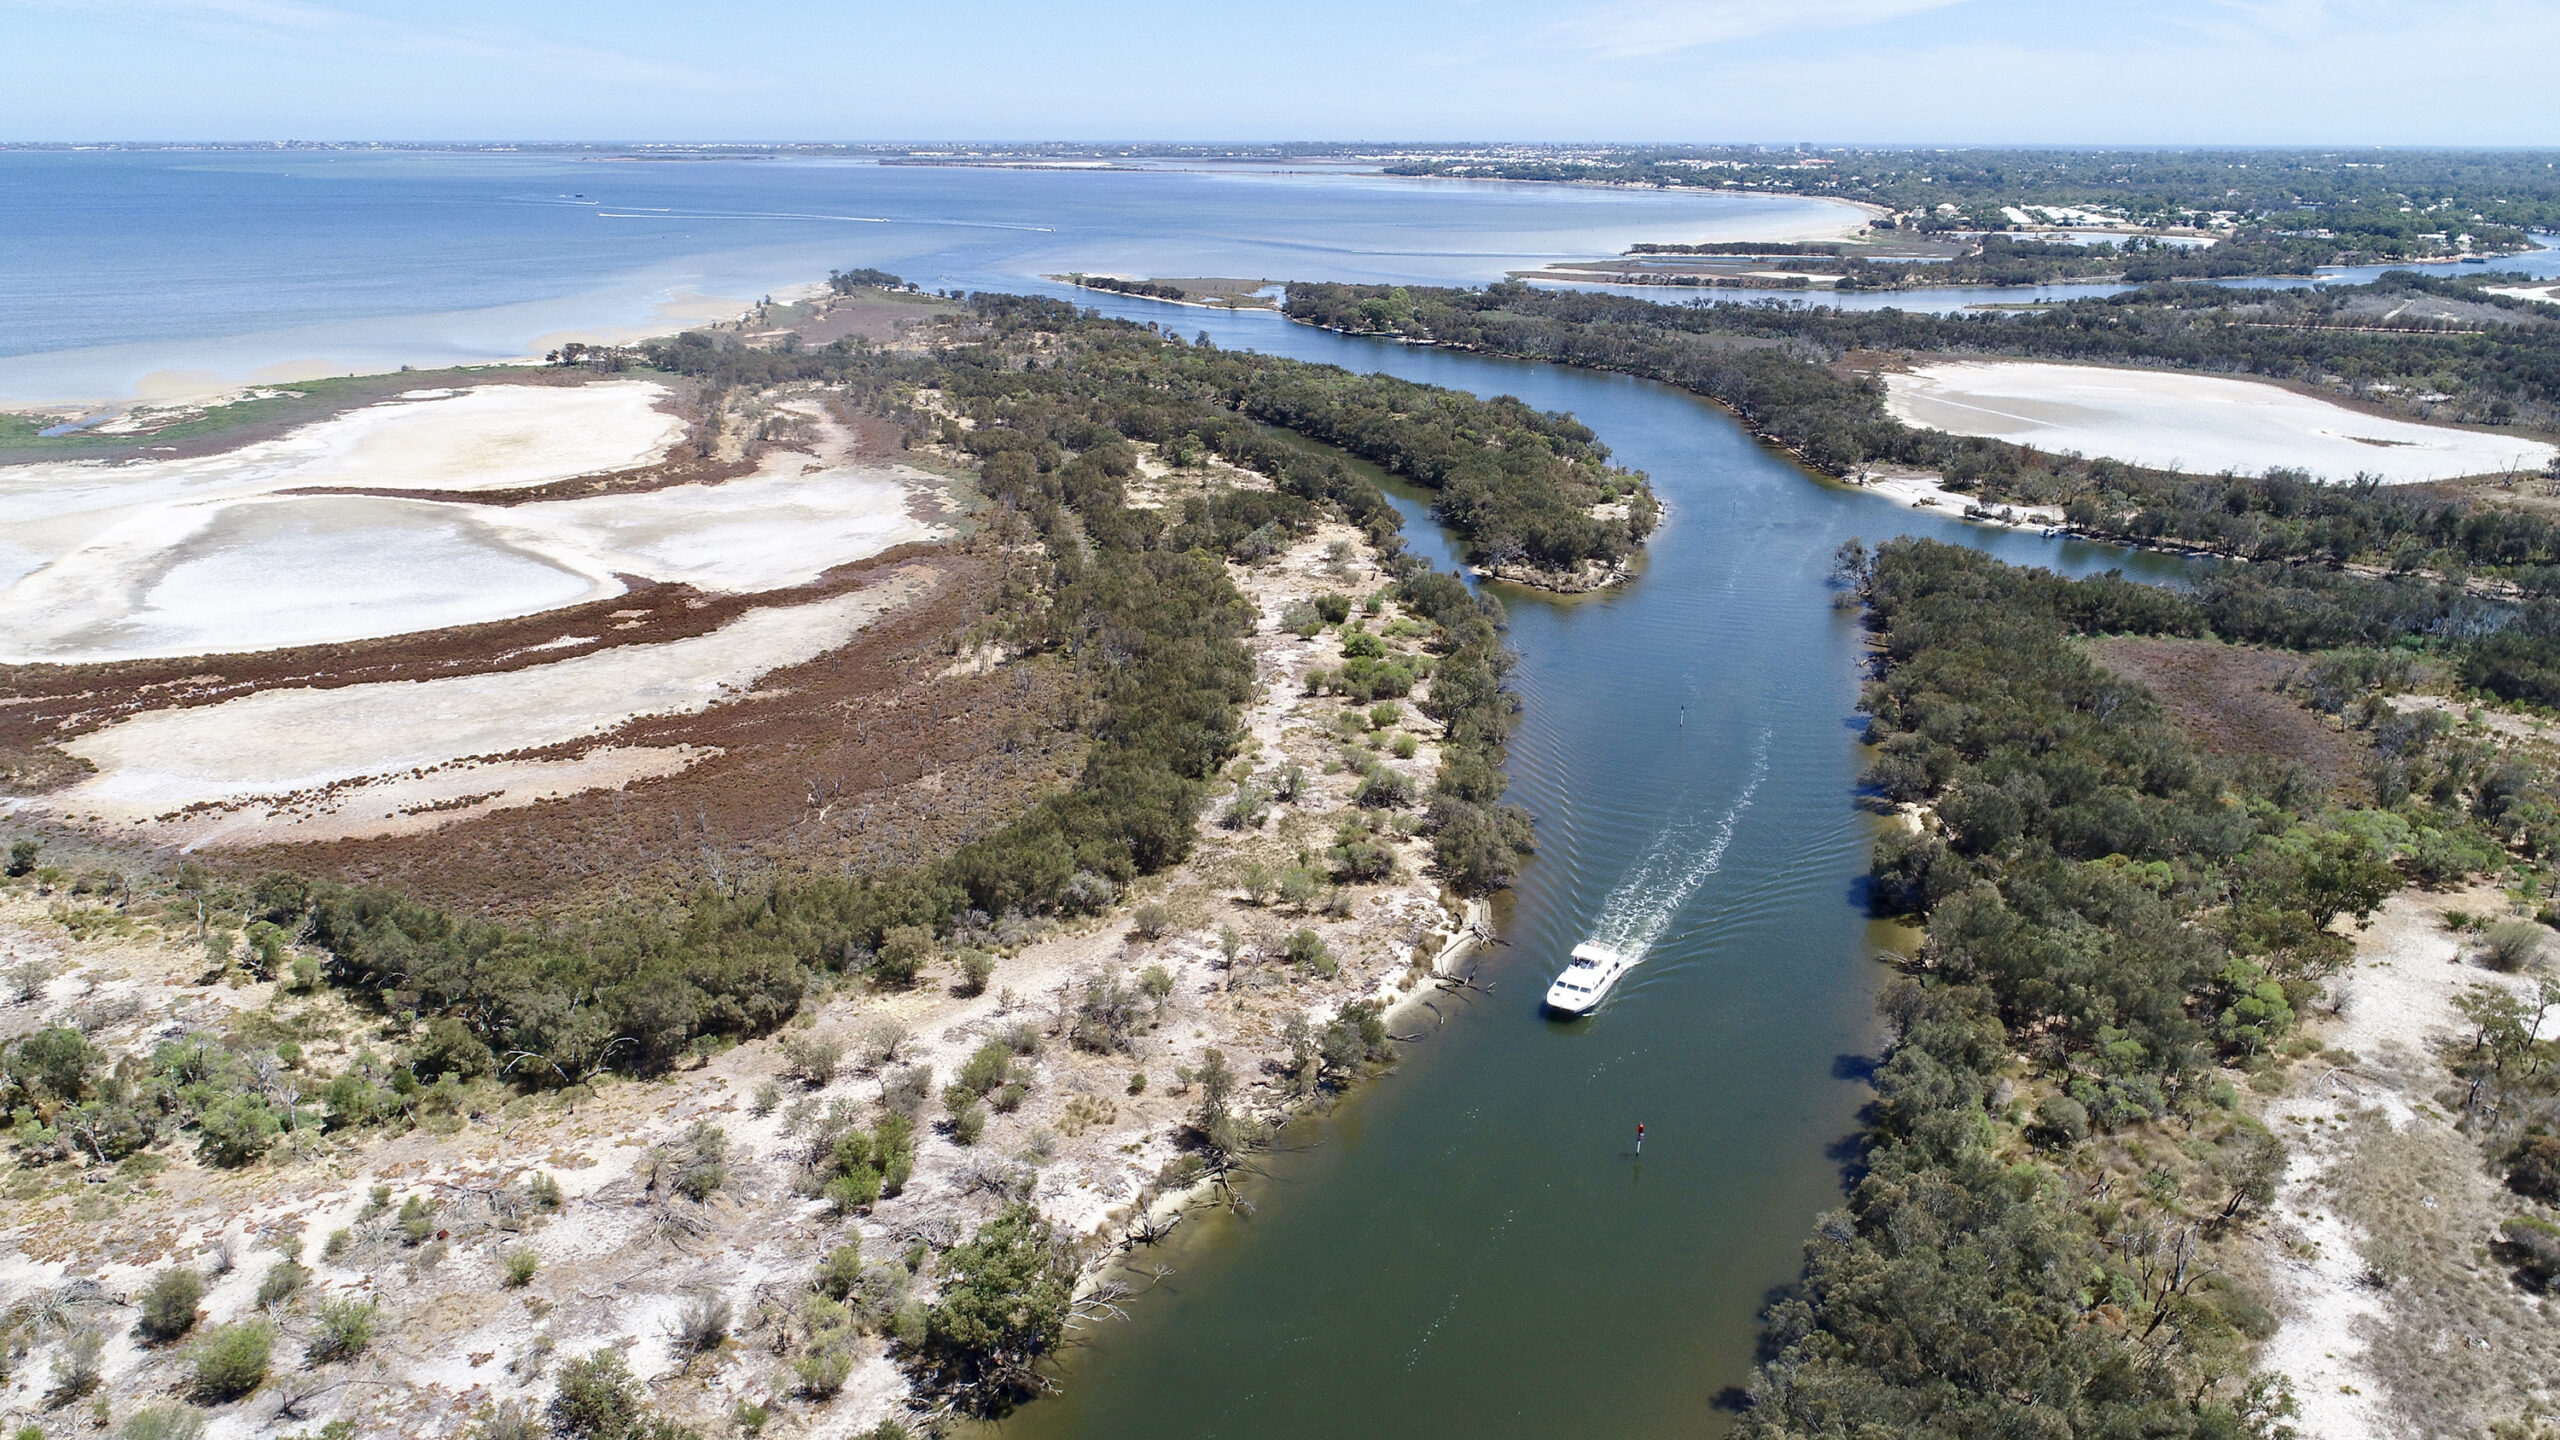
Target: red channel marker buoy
<point>1639,1138</point>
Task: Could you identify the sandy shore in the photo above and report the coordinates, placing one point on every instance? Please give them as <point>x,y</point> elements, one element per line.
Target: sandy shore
<point>1923,490</point>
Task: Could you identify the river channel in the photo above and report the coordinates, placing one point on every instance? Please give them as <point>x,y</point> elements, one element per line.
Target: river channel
<point>1471,1246</point>
<point>1468,1247</point>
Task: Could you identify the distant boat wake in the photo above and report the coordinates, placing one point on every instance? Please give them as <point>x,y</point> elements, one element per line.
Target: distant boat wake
<point>1644,905</point>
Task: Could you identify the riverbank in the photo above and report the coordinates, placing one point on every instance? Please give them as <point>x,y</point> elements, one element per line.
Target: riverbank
<point>1237,949</point>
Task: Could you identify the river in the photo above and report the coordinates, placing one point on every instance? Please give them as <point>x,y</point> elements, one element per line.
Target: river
<point>1471,1247</point>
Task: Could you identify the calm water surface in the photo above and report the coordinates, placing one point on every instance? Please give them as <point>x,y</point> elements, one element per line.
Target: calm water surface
<point>163,269</point>
<point>1471,1248</point>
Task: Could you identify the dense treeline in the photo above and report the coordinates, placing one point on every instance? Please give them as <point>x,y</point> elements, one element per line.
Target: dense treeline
<point>2373,205</point>
<point>1772,365</point>
<point>2117,914</point>
<point>1149,289</point>
<point>1514,483</point>
<point>2000,260</point>
<point>2332,335</point>
<point>1135,598</point>
<point>2004,260</point>
<point>1776,366</point>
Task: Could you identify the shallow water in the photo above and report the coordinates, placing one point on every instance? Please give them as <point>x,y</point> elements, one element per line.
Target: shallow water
<point>1471,1247</point>
<point>169,269</point>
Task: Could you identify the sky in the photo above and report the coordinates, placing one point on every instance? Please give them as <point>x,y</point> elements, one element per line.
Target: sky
<point>2184,72</point>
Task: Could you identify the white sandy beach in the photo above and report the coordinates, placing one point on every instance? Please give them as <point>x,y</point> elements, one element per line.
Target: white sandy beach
<point>2201,424</point>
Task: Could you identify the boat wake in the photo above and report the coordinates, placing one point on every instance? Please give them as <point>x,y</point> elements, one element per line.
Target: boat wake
<point>1644,904</point>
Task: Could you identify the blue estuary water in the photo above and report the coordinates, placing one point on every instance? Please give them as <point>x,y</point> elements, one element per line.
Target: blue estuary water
<point>1469,1247</point>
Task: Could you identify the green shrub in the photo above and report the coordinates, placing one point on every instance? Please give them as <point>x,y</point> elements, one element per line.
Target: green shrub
<point>987,1067</point>
<point>903,951</point>
<point>169,1303</point>
<point>544,1191</point>
<point>1003,1306</point>
<point>155,1422</point>
<point>2533,1246</point>
<point>417,1220</point>
<point>596,1397</point>
<point>521,1262</point>
<point>1333,608</point>
<point>235,1131</point>
<point>967,1124</point>
<point>839,1272</point>
<point>2513,945</point>
<point>281,1282</point>
<point>822,1372</point>
<point>1307,950</point>
<point>2061,1120</point>
<point>342,1331</point>
<point>231,1361</point>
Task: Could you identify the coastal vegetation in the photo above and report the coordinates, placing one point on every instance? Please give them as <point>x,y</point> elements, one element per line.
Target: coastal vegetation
<point>1069,424</point>
<point>1993,259</point>
<point>2120,930</point>
<point>2031,1245</point>
<point>1787,373</point>
<point>2500,365</point>
<point>1135,599</point>
<point>1514,483</point>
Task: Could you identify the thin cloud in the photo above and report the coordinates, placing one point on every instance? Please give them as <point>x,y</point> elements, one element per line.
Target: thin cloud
<point>1636,29</point>
<point>302,24</point>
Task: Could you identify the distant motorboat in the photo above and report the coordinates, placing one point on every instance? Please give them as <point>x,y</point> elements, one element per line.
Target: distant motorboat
<point>1586,981</point>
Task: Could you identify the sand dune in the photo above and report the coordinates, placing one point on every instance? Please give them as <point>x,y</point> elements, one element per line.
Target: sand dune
<point>2198,423</point>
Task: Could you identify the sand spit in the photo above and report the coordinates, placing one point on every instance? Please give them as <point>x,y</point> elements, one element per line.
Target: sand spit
<point>208,556</point>
<point>390,758</point>
<point>2201,424</point>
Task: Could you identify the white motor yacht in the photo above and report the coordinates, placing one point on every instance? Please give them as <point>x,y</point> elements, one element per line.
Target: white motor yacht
<point>1584,982</point>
